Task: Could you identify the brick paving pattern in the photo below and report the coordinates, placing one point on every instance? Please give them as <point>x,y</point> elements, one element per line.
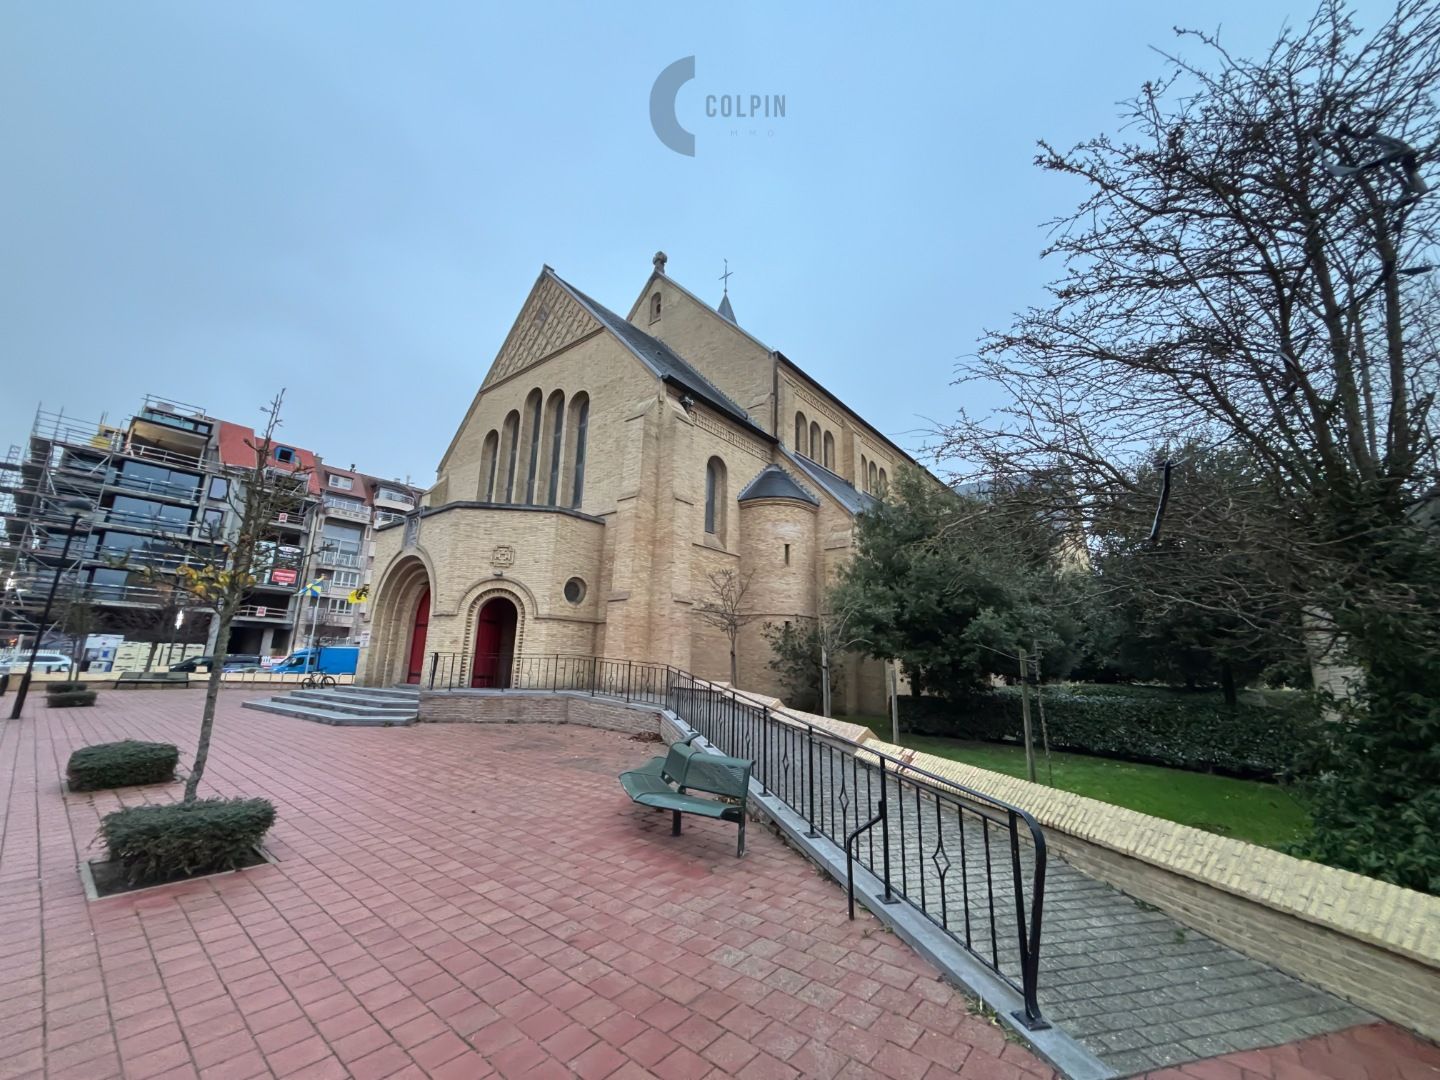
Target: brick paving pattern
<point>449,901</point>
<point>1370,1052</point>
<point>1138,989</point>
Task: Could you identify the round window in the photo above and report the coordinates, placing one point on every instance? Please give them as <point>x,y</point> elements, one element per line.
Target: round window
<point>574,590</point>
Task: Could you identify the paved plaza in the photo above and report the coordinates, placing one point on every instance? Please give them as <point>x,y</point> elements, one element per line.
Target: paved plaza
<point>468,901</point>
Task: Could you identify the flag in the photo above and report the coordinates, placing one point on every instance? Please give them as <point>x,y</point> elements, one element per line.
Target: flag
<point>315,588</point>
<point>360,595</point>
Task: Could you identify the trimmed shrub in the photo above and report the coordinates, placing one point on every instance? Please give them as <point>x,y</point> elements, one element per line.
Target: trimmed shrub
<point>65,687</point>
<point>121,764</point>
<point>161,842</point>
<point>1164,728</point>
<point>71,698</point>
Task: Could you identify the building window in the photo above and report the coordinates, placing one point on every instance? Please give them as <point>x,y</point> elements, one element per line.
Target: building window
<point>874,479</point>
<point>787,554</point>
<point>829,461</point>
<point>219,487</point>
<point>555,417</point>
<point>344,483</point>
<point>815,453</point>
<point>883,485</point>
<point>488,458</point>
<point>532,409</point>
<point>285,454</point>
<point>655,307</point>
<point>574,590</point>
<point>715,498</point>
<point>863,483</point>
<point>345,579</point>
<point>509,436</point>
<point>578,429</point>
<point>801,427</point>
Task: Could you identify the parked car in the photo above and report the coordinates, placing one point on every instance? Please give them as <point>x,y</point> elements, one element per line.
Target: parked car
<point>194,663</point>
<point>45,663</point>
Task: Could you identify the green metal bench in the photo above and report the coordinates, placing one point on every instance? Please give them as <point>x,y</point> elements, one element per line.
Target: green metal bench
<point>690,770</point>
<point>151,678</point>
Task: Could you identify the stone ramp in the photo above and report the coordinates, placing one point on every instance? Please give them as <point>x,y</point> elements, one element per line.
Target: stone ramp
<point>346,706</point>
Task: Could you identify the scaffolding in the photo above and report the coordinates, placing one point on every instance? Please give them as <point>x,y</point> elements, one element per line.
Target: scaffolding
<point>144,481</point>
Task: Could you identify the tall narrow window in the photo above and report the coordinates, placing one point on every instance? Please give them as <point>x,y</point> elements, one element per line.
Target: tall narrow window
<point>555,418</point>
<point>532,424</point>
<point>829,461</point>
<point>883,485</point>
<point>715,498</point>
<point>815,454</point>
<point>488,452</point>
<point>874,479</point>
<point>801,428</point>
<point>577,429</point>
<point>655,307</point>
<point>864,483</point>
<point>509,452</point>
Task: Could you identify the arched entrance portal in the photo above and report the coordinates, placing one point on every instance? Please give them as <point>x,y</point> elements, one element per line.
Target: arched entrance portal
<point>494,644</point>
<point>418,632</point>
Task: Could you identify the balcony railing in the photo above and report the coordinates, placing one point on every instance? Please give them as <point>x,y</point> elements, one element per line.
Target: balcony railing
<point>348,559</point>
<point>340,508</point>
<point>274,612</point>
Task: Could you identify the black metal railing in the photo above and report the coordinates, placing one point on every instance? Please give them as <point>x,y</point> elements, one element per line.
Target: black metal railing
<point>972,864</point>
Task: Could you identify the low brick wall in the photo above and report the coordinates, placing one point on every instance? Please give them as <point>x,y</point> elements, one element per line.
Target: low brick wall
<point>535,707</point>
<point>1367,941</point>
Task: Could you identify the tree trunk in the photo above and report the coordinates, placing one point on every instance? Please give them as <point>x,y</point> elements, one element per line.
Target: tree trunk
<point>207,718</point>
<point>734,666</point>
<point>150,659</point>
<point>1227,684</point>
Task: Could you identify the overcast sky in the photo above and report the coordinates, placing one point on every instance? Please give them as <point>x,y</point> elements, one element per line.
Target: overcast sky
<point>210,202</point>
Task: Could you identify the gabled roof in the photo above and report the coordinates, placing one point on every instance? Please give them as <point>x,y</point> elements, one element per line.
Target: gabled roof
<point>840,489</point>
<point>662,360</point>
<point>773,482</point>
<point>238,447</point>
<point>681,289</point>
<point>725,311</point>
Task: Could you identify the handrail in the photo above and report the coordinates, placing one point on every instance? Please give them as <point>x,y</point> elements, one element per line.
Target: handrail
<point>824,777</point>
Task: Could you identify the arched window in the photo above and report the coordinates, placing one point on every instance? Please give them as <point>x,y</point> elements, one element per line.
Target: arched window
<point>864,483</point>
<point>554,434</point>
<point>814,441</point>
<point>874,479</point>
<point>884,484</point>
<point>655,307</point>
<point>576,428</point>
<point>715,498</point>
<point>488,451</point>
<point>801,427</point>
<point>532,440</point>
<point>829,461</point>
<point>509,452</point>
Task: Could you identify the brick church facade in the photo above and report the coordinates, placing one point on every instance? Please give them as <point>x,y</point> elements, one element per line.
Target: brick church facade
<point>606,470</point>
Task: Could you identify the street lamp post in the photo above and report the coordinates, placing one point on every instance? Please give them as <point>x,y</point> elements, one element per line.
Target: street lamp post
<point>77,508</point>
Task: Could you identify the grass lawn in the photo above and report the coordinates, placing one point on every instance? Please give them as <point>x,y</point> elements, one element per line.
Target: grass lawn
<point>1245,809</point>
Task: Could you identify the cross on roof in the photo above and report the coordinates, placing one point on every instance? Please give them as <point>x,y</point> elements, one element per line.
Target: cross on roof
<point>725,277</point>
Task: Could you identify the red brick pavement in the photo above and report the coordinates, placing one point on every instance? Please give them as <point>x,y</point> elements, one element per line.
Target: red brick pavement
<point>1368,1052</point>
<point>450,901</point>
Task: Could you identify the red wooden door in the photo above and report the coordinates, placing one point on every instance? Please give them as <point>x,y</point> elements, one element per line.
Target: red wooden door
<point>416,667</point>
<point>494,645</point>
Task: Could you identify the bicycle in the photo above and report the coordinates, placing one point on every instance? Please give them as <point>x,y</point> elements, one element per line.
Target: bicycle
<point>317,681</point>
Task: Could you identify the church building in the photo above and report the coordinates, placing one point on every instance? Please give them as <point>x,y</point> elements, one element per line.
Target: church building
<point>608,469</point>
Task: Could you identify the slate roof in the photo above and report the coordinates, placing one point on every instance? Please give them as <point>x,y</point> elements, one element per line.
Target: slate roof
<point>773,482</point>
<point>725,311</point>
<point>844,492</point>
<point>659,357</point>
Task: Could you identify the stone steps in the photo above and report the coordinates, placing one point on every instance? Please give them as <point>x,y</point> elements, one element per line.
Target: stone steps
<point>346,706</point>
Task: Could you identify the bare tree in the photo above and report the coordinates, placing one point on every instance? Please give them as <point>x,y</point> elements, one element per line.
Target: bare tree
<point>723,607</point>
<point>220,581</point>
<point>1248,271</point>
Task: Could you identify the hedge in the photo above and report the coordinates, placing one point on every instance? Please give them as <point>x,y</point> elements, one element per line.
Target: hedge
<point>120,764</point>
<point>65,687</point>
<point>161,842</point>
<point>1180,730</point>
<point>70,698</point>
